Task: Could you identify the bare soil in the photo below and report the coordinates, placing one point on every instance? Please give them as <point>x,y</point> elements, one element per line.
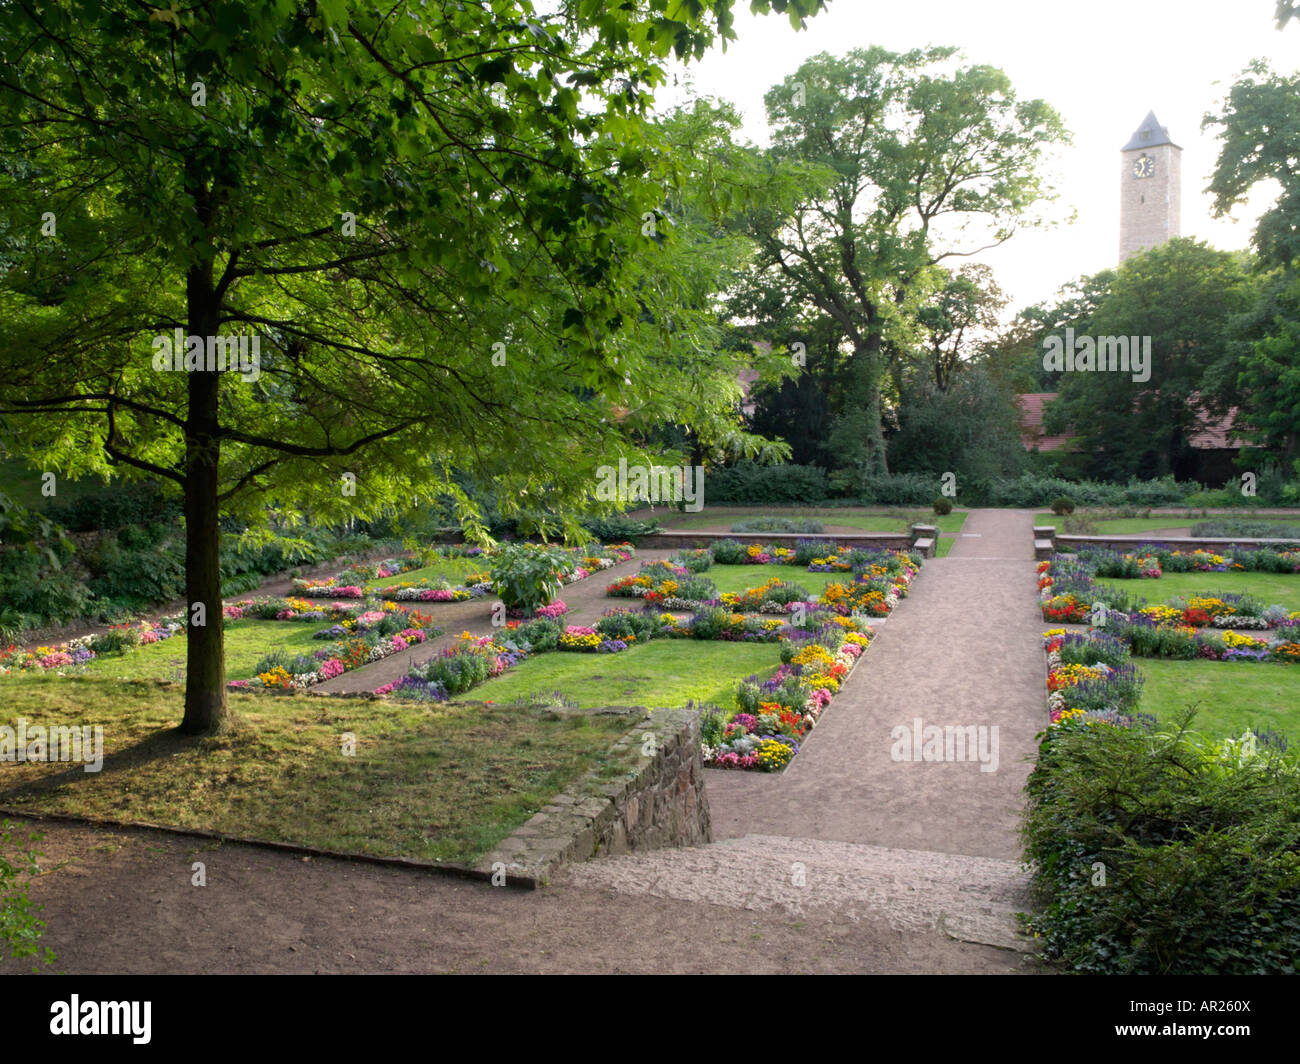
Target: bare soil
<point>123,903</point>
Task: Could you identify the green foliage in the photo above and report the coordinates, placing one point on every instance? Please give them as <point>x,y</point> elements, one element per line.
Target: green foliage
<point>620,529</point>
<point>1062,504</point>
<point>728,552</point>
<point>1199,846</point>
<point>778,524</point>
<point>697,561</point>
<point>1248,528</point>
<point>620,624</point>
<point>1184,297</point>
<point>942,506</point>
<point>539,635</point>
<point>527,575</point>
<point>20,927</point>
<point>751,484</point>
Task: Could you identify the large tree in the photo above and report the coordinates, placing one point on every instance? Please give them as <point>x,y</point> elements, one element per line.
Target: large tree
<point>891,163</point>
<point>439,227</point>
<point>1183,298</point>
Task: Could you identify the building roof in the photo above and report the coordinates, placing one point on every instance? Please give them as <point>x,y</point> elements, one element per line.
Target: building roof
<point>1212,434</point>
<point>1032,403</point>
<point>1149,134</point>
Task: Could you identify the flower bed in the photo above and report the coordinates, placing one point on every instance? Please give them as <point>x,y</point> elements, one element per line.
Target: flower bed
<point>357,641</point>
<point>881,578</point>
<point>816,657</point>
<point>1069,593</point>
<point>119,639</point>
<point>771,719</point>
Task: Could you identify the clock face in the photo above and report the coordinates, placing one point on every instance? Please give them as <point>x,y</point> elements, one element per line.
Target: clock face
<point>1144,166</point>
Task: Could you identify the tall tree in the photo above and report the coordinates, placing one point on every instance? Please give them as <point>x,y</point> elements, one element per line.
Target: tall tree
<point>893,163</point>
<point>1183,297</point>
<point>433,224</point>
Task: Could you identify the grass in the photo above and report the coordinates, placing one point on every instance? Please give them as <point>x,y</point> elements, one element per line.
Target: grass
<point>861,519</point>
<point>1232,696</point>
<point>1269,588</point>
<point>736,578</point>
<point>247,642</point>
<point>663,673</point>
<point>452,570</point>
<point>1118,526</point>
<point>432,782</point>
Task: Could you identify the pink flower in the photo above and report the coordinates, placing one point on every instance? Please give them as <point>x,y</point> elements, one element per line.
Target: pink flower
<point>148,637</point>
<point>333,667</point>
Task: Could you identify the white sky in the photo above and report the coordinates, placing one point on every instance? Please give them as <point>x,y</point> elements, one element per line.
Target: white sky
<point>1103,65</point>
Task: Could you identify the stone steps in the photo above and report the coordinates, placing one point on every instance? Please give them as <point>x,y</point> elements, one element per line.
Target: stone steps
<point>972,899</point>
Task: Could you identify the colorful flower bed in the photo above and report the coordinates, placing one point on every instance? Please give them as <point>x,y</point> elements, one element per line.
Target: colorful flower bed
<point>357,641</point>
<point>880,580</point>
<point>119,639</point>
<point>816,658</point>
<point>582,562</point>
<point>1090,679</point>
<point>771,718</point>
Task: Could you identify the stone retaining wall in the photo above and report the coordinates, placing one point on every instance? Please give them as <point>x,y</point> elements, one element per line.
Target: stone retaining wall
<point>658,802</point>
<point>1129,543</point>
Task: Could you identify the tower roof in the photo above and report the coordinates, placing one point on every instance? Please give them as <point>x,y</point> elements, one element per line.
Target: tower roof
<point>1149,134</point>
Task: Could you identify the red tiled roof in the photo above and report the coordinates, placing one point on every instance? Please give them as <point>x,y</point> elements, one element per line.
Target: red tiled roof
<point>1031,405</point>
<point>1214,433</point>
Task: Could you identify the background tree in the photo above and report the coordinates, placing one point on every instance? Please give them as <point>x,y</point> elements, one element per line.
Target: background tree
<point>1184,295</point>
<point>883,165</point>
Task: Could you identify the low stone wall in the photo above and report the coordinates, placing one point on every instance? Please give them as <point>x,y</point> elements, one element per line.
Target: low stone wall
<point>1129,543</point>
<point>658,802</point>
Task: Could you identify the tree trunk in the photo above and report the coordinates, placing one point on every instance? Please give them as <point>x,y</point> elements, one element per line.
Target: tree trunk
<point>865,390</point>
<point>206,710</point>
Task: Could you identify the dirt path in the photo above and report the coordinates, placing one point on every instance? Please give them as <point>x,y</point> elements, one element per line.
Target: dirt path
<point>123,902</point>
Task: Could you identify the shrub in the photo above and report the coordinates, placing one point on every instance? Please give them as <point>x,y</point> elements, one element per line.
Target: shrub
<point>20,928</point>
<point>526,575</point>
<point>728,552</point>
<point>697,561</point>
<point>620,529</point>
<point>1062,504</point>
<point>778,524</point>
<point>942,506</point>
<point>1200,847</point>
<point>622,624</point>
<point>540,635</point>
<point>750,484</point>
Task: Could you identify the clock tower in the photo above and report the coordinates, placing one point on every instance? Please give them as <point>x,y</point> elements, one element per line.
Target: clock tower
<point>1150,188</point>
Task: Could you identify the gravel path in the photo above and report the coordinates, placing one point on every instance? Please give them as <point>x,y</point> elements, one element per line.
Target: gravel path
<point>963,649</point>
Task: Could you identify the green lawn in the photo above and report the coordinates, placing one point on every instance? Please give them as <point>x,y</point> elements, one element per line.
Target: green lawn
<point>440,782</point>
<point>892,521</point>
<point>1121,526</point>
<point>1269,588</point>
<point>452,570</point>
<point>737,578</point>
<point>664,673</point>
<point>247,642</point>
<point>1232,696</point>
